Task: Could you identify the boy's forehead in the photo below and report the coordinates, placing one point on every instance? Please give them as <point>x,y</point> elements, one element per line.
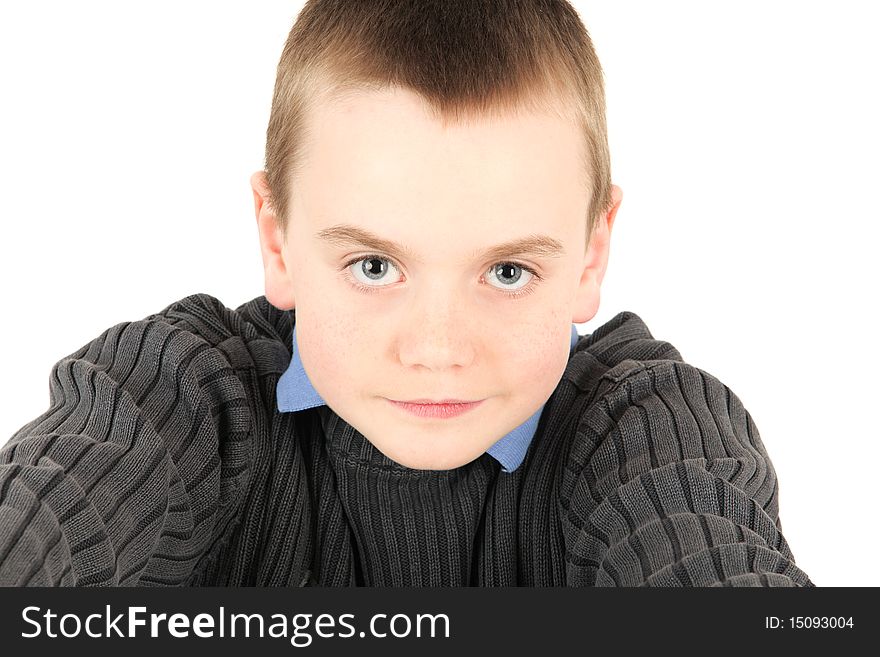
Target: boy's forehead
<point>381,142</point>
<point>381,172</point>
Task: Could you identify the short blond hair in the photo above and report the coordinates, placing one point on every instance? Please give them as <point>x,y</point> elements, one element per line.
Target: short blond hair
<point>465,58</point>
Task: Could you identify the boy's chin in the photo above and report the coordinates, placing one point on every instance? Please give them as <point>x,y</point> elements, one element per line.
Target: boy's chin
<point>432,457</point>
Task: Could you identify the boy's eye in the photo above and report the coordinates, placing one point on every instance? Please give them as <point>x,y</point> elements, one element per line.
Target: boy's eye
<point>369,272</point>
<point>509,275</point>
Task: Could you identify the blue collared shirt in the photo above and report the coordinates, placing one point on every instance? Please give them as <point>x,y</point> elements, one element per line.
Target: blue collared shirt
<point>295,392</point>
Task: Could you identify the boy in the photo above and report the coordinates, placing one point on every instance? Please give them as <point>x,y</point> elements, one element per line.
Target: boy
<point>409,404</point>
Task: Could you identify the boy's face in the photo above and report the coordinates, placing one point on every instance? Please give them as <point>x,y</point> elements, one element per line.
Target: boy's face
<point>440,320</point>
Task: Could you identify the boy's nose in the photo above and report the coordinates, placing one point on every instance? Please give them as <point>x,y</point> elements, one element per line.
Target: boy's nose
<point>434,343</point>
<point>438,332</point>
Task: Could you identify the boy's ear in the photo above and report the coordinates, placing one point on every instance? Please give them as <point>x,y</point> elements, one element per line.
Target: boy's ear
<point>595,262</point>
<point>279,287</point>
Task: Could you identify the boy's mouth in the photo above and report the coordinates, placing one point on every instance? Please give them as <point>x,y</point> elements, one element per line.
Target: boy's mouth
<point>437,401</point>
<point>445,408</point>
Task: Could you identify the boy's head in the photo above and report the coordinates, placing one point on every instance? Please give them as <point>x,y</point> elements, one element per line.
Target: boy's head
<point>448,129</point>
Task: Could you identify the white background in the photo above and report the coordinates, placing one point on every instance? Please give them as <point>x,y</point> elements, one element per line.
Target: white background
<point>744,137</point>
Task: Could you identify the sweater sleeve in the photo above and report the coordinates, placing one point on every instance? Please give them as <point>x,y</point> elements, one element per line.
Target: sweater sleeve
<point>133,473</point>
<point>669,484</point>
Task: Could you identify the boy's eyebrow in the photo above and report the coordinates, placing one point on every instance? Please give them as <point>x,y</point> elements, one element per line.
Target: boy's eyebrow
<point>540,246</point>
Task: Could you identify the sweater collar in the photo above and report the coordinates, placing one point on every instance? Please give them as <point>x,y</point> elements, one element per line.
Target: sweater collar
<point>295,392</point>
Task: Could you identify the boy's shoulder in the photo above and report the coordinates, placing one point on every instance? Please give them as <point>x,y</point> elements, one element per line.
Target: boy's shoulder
<point>618,349</point>
<point>253,334</point>
<point>624,376</point>
<point>212,320</point>
<point>621,368</point>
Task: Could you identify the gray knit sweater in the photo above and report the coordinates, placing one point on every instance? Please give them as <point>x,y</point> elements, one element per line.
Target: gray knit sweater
<point>164,461</point>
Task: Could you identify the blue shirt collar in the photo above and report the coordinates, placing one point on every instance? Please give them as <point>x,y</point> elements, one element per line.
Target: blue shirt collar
<point>295,392</point>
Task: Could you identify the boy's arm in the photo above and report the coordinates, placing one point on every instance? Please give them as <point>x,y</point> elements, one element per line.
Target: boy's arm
<point>669,484</point>
<point>135,471</point>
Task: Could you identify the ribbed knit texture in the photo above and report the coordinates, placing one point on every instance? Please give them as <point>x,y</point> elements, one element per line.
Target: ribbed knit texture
<point>163,461</point>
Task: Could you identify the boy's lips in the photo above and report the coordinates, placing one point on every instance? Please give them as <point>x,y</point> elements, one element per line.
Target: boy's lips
<point>437,401</point>
<point>436,408</point>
